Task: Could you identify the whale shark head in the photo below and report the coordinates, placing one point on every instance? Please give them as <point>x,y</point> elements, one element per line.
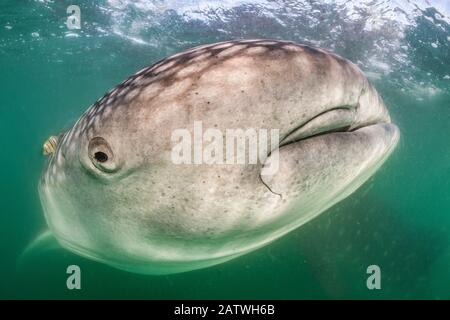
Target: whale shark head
<point>112,193</point>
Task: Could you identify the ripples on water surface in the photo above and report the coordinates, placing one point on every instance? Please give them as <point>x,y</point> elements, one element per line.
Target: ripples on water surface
<point>399,220</point>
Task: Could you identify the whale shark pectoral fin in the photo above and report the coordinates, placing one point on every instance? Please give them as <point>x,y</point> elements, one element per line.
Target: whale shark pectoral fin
<point>43,243</point>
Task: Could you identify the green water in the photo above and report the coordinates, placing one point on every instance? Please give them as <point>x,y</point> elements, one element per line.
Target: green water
<point>398,220</point>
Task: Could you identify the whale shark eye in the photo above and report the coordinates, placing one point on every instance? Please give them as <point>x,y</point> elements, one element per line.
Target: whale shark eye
<point>101,155</point>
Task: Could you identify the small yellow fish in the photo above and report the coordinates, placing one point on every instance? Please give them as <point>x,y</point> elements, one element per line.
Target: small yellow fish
<point>50,145</point>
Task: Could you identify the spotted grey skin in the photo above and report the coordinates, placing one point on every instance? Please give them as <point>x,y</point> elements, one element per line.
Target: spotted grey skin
<point>136,210</point>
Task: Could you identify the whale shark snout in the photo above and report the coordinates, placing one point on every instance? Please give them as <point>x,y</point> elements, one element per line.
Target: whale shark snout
<point>111,191</point>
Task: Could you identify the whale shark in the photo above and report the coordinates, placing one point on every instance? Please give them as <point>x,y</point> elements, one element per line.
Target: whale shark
<point>111,192</point>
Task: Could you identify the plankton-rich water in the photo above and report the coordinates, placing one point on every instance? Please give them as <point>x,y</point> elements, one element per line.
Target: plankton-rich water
<point>399,220</point>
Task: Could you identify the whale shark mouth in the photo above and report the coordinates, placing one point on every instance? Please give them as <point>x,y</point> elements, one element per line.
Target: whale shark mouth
<point>338,119</point>
<point>335,141</point>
